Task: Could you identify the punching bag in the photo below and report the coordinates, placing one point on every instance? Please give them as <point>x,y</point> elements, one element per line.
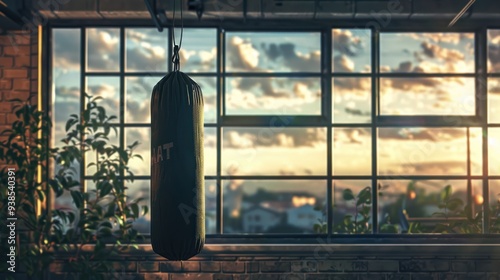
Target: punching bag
<point>177,178</point>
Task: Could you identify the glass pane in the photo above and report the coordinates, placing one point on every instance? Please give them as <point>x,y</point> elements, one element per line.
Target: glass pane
<point>351,100</point>
<point>143,136</point>
<point>352,151</point>
<point>494,202</point>
<point>352,206</point>
<point>427,96</point>
<point>141,189</point>
<point>198,52</point>
<point>208,87</point>
<point>494,100</point>
<point>494,51</point>
<point>274,151</point>
<point>351,50</point>
<point>210,206</point>
<point>66,79</point>
<point>92,157</point>
<point>273,52</point>
<point>476,150</point>
<point>424,151</point>
<point>428,206</point>
<point>427,52</point>
<point>146,50</point>
<point>493,148</point>
<point>103,49</point>
<point>272,96</point>
<point>109,89</point>
<point>210,150</point>
<point>138,98</point>
<point>273,206</point>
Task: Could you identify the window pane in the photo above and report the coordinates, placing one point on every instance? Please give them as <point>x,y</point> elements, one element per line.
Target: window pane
<point>141,189</point>
<point>494,51</point>
<point>138,98</point>
<point>494,202</point>
<point>494,100</point>
<point>427,96</point>
<point>273,206</point>
<point>210,150</point>
<point>65,78</point>
<point>103,49</point>
<point>352,206</point>
<point>210,206</point>
<point>198,52</point>
<point>146,50</point>
<point>493,148</point>
<point>425,151</point>
<point>351,50</point>
<point>427,52</point>
<point>352,151</point>
<point>428,206</point>
<point>351,100</point>
<point>143,136</point>
<point>274,151</point>
<point>109,89</point>
<point>271,96</point>
<point>273,52</point>
<point>208,87</point>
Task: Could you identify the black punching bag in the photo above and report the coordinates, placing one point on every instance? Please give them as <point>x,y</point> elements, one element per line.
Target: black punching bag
<point>177,179</point>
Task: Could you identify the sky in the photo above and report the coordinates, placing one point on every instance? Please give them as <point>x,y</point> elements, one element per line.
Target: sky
<point>295,151</point>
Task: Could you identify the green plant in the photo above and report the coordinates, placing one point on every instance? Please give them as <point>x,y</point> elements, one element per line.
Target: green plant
<point>359,220</point>
<point>102,217</point>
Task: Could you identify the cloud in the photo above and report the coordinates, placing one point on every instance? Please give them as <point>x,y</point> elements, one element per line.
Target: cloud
<point>429,134</point>
<point>67,49</point>
<point>198,61</point>
<point>342,63</point>
<point>351,136</point>
<point>440,53</point>
<point>293,59</point>
<point>346,43</point>
<point>435,167</point>
<point>103,49</point>
<point>71,93</point>
<point>453,38</point>
<point>242,55</point>
<point>245,138</point>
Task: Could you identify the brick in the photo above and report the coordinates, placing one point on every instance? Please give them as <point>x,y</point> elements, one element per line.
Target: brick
<point>331,266</point>
<point>34,60</point>
<point>261,276</point>
<point>233,267</point>
<point>3,118</point>
<point>13,50</point>
<point>190,276</point>
<point>422,276</point>
<point>34,84</point>
<point>252,267</point>
<point>171,266</point>
<point>275,266</point>
<point>5,84</point>
<point>126,266</point>
<point>6,62</point>
<point>152,276</point>
<point>5,107</point>
<point>145,266</point>
<point>487,266</point>
<point>266,258</point>
<point>492,276</point>
<point>11,118</point>
<point>398,276</point>
<point>23,95</point>
<point>356,266</point>
<point>34,73</point>
<point>222,277</point>
<point>21,84</point>
<point>224,258</point>
<point>210,266</point>
<point>331,276</point>
<point>372,276</point>
<point>22,39</point>
<point>15,73</point>
<point>383,266</point>
<point>22,61</point>
<point>304,266</point>
<point>463,266</point>
<point>241,277</point>
<point>190,266</point>
<point>423,265</point>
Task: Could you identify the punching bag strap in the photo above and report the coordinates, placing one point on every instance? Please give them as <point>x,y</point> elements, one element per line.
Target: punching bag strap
<point>175,55</point>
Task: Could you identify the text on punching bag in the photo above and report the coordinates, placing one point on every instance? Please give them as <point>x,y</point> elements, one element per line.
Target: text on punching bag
<point>161,153</point>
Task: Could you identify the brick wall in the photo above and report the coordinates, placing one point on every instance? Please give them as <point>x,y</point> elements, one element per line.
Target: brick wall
<point>18,72</point>
<point>306,267</point>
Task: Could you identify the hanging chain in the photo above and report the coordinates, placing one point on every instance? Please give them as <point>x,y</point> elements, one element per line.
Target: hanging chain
<point>175,55</point>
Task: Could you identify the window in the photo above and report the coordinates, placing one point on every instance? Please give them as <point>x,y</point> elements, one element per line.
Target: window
<point>340,131</point>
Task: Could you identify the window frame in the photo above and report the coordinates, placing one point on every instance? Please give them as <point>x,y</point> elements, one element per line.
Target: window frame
<point>479,120</point>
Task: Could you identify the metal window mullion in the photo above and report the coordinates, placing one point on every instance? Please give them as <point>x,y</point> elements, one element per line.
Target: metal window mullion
<point>326,54</point>
<point>482,99</point>
<point>220,96</point>
<point>83,82</point>
<point>375,53</point>
<point>122,99</point>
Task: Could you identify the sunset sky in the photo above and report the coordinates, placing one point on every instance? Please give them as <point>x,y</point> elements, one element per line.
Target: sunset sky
<point>297,151</point>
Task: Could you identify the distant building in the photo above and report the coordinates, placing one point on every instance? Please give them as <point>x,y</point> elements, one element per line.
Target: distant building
<point>304,216</point>
<point>260,219</point>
